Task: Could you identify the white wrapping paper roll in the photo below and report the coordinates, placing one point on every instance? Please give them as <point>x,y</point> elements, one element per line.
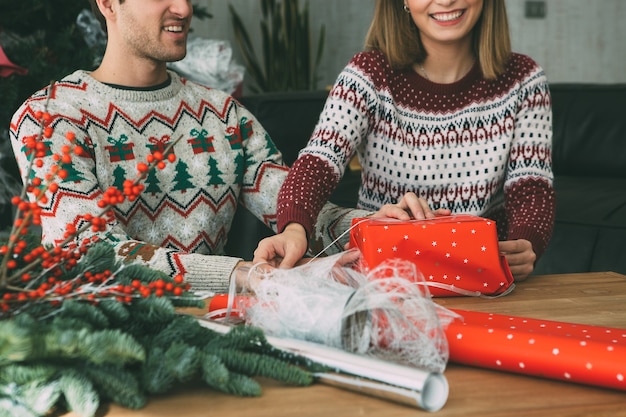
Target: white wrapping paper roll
<point>361,373</point>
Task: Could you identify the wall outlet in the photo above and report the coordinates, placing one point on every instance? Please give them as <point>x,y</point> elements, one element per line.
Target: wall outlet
<point>535,9</point>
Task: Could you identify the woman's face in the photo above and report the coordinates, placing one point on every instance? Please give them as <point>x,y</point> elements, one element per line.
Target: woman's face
<point>445,22</point>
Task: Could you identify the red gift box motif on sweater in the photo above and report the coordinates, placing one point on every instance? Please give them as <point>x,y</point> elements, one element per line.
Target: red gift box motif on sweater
<point>457,255</point>
<point>201,141</point>
<point>159,144</point>
<point>119,150</point>
<point>586,354</point>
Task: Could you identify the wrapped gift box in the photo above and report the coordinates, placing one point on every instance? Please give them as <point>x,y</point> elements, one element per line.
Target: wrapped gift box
<point>457,255</point>
<point>579,353</point>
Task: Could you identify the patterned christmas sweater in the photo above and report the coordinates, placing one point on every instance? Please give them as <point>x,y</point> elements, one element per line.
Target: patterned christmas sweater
<point>223,158</point>
<point>474,146</point>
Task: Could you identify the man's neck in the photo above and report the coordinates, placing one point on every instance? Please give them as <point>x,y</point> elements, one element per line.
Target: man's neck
<point>140,74</point>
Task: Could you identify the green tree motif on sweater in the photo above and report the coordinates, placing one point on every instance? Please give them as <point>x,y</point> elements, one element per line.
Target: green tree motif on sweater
<point>153,182</point>
<point>214,173</point>
<point>182,177</point>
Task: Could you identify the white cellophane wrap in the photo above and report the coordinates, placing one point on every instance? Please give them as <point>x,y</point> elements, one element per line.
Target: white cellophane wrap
<point>387,313</point>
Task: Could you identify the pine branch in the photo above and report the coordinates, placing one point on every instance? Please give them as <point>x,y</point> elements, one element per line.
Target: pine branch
<point>182,361</point>
<point>117,384</point>
<point>186,329</point>
<point>156,378</point>
<point>33,398</point>
<point>87,313</point>
<point>116,312</point>
<point>22,374</point>
<point>79,392</point>
<point>243,386</point>
<point>163,367</point>
<point>10,407</point>
<point>215,374</point>
<point>255,364</point>
<point>153,311</point>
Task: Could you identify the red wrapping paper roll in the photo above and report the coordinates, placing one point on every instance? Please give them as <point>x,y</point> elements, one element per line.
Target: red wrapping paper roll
<point>585,354</point>
<point>218,307</point>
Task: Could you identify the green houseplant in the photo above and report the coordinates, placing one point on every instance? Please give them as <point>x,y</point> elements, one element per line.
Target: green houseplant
<point>286,62</point>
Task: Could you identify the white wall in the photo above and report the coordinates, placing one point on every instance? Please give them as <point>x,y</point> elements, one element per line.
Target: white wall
<point>577,41</point>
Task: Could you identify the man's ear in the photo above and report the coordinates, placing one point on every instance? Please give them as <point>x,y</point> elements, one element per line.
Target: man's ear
<point>106,8</point>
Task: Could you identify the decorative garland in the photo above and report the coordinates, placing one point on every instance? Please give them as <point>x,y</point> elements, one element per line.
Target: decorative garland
<point>78,327</point>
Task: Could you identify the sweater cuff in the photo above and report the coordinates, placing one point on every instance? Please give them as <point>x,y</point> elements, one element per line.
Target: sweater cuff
<point>293,214</point>
<point>208,272</point>
<point>308,186</point>
<point>538,239</point>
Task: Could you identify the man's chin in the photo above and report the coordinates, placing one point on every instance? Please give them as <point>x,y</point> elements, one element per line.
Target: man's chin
<point>175,57</point>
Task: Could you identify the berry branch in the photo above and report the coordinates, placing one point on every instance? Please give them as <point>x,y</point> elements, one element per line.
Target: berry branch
<point>18,280</point>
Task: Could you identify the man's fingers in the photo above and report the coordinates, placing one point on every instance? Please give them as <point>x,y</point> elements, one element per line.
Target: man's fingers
<point>265,252</point>
<point>290,260</point>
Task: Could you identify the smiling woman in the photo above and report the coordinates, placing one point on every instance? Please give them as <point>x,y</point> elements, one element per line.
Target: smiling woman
<point>436,109</point>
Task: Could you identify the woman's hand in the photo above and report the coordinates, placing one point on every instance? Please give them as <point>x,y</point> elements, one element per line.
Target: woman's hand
<point>283,250</point>
<point>520,256</point>
<point>410,207</point>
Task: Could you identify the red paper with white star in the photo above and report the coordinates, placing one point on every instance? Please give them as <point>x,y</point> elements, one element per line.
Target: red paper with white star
<point>457,255</point>
<point>591,355</point>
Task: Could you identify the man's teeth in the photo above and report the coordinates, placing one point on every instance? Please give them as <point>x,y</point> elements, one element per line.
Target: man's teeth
<point>446,17</point>
<point>174,28</point>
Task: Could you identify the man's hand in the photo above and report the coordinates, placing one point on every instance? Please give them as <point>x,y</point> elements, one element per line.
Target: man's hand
<point>283,250</point>
<point>520,257</point>
<point>410,207</point>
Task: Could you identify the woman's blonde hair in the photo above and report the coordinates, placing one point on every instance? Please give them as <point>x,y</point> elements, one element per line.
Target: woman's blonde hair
<point>393,32</point>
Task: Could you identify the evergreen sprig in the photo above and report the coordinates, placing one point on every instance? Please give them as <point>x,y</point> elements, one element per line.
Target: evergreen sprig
<point>77,353</point>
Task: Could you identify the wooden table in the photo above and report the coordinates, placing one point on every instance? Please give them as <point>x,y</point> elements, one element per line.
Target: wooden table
<point>591,298</point>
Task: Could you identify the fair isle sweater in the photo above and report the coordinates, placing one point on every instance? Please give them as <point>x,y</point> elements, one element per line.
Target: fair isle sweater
<point>180,222</point>
<point>474,146</point>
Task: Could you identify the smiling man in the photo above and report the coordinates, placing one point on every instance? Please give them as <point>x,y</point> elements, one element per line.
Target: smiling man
<point>128,108</point>
<point>143,36</point>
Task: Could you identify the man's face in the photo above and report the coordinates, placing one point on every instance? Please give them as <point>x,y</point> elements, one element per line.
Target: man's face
<point>155,29</point>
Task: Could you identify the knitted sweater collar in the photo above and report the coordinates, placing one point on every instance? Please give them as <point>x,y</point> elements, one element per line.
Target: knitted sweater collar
<point>113,93</point>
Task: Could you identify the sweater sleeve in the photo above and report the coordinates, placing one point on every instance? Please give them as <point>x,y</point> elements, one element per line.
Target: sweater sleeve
<point>264,173</point>
<point>530,212</point>
<point>332,229</point>
<point>342,126</point>
<point>529,193</point>
<point>308,186</point>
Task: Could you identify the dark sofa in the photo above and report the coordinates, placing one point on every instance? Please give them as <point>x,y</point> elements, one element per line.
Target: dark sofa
<point>589,158</point>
